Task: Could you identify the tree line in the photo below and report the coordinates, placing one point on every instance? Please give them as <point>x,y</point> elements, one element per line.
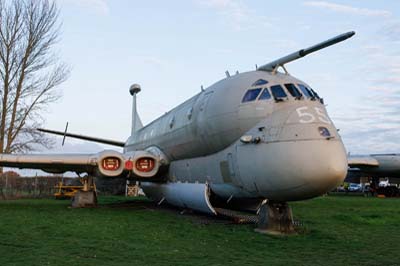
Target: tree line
<point>30,71</point>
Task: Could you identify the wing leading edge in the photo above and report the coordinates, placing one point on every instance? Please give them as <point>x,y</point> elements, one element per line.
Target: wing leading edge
<point>108,163</point>
<point>59,163</point>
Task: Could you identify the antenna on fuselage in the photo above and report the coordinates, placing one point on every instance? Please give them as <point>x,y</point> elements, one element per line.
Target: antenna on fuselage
<point>274,65</point>
<point>136,122</point>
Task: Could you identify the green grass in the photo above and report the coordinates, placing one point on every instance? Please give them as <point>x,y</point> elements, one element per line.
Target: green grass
<point>337,231</point>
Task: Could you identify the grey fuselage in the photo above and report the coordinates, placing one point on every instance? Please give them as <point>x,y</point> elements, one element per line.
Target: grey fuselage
<point>286,158</point>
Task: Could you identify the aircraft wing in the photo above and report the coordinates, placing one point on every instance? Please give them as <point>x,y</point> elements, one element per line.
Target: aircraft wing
<point>362,161</point>
<point>375,165</point>
<point>111,161</point>
<point>108,163</point>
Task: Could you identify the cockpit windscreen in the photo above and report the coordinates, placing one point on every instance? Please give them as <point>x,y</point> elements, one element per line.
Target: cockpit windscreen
<point>251,95</point>
<point>293,90</point>
<point>278,92</point>
<point>305,91</point>
<point>265,95</point>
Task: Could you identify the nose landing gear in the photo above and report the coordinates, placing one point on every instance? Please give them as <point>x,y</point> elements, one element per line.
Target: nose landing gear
<point>275,218</point>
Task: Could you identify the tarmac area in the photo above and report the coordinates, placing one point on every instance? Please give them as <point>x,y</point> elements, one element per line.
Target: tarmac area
<point>332,230</point>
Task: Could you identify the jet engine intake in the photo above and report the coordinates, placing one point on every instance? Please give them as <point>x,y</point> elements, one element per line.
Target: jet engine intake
<point>145,164</point>
<point>109,163</point>
<point>142,165</point>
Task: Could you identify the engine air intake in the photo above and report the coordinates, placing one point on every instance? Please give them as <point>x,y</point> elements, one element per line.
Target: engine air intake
<point>145,164</point>
<point>111,163</point>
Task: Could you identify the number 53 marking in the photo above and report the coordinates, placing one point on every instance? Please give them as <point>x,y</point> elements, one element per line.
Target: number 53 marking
<point>307,117</point>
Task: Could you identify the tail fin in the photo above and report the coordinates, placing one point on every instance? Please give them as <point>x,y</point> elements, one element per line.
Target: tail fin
<point>136,121</point>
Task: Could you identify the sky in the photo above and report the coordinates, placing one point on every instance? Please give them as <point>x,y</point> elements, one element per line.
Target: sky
<point>172,48</point>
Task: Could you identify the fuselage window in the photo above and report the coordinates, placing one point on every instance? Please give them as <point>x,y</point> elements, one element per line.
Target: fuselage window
<point>305,91</point>
<point>265,95</point>
<point>251,95</point>
<point>278,92</point>
<point>260,82</point>
<point>293,90</point>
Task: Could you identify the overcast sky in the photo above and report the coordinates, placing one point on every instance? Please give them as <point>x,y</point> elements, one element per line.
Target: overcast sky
<point>172,48</point>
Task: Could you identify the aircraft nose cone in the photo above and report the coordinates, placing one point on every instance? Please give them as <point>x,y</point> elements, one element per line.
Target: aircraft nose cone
<point>325,166</point>
<point>298,170</point>
<point>330,170</point>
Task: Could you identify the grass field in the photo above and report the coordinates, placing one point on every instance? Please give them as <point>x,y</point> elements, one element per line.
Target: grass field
<point>337,231</point>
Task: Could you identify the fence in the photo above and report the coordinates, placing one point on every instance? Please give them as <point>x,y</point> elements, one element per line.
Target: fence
<point>13,187</point>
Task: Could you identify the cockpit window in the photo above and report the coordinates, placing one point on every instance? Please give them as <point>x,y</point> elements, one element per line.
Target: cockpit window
<point>260,82</point>
<point>251,95</point>
<point>293,90</point>
<point>265,95</point>
<point>315,94</point>
<point>305,91</point>
<point>278,92</point>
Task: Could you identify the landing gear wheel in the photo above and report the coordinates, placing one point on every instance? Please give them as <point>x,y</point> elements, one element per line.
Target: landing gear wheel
<point>275,218</point>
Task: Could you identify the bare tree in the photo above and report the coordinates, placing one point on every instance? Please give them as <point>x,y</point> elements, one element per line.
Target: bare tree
<point>30,72</point>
